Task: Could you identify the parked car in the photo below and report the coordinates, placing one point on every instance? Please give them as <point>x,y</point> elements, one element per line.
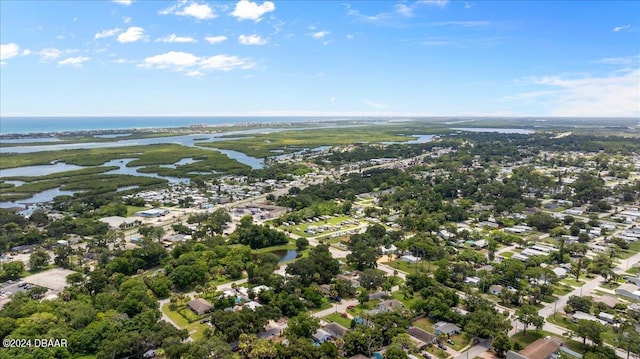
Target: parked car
<point>426,355</point>
<point>442,346</point>
<point>450,342</point>
<point>351,306</point>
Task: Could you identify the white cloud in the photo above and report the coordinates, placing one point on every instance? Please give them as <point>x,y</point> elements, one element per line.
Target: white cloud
<point>50,54</point>
<point>122,61</point>
<point>439,3</point>
<point>126,20</point>
<point>615,95</point>
<point>375,104</point>
<point>225,63</point>
<point>132,34</point>
<point>123,2</point>
<point>194,65</point>
<point>215,39</point>
<point>628,60</point>
<point>106,33</point>
<point>404,10</point>
<point>467,5</point>
<point>74,60</point>
<point>620,28</point>
<point>175,38</point>
<point>175,59</point>
<point>195,73</point>
<point>184,8</point>
<point>350,37</point>
<point>247,10</point>
<point>9,50</point>
<point>251,40</point>
<point>368,18</point>
<point>25,52</point>
<point>320,34</point>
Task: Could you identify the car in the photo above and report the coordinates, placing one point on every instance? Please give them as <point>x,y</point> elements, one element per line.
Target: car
<point>426,355</point>
<point>450,342</point>
<point>351,306</point>
<point>442,346</point>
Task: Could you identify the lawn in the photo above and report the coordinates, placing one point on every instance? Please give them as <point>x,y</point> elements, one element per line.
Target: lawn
<point>633,270</point>
<point>131,210</point>
<point>562,289</point>
<point>507,254</point>
<point>325,305</point>
<point>530,337</point>
<point>460,341</point>
<point>437,352</point>
<point>412,268</point>
<point>195,329</point>
<point>424,324</point>
<point>408,303</point>
<point>337,318</point>
<point>572,282</point>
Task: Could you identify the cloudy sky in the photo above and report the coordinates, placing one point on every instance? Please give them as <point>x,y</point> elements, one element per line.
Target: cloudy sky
<point>406,58</point>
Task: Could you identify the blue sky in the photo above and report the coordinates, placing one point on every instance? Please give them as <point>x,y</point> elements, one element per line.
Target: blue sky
<point>404,58</point>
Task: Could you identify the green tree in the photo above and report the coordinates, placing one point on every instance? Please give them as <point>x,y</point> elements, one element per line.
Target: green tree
<point>38,260</point>
<point>301,244</point>
<point>302,326</point>
<point>590,329</point>
<point>528,315</point>
<point>501,345</point>
<point>13,270</point>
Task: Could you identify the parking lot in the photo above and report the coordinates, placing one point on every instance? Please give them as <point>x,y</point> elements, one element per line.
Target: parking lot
<point>54,279</point>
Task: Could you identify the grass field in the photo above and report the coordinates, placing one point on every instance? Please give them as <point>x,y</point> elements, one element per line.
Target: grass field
<point>337,318</point>
<point>263,145</point>
<point>195,329</point>
<point>425,324</point>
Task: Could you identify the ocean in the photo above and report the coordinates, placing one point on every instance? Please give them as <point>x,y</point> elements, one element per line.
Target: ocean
<point>23,125</point>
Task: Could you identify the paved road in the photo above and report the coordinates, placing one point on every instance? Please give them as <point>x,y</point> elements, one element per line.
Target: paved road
<point>476,350</point>
<point>336,308</point>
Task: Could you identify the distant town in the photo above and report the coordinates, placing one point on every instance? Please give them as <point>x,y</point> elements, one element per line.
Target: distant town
<point>469,244</point>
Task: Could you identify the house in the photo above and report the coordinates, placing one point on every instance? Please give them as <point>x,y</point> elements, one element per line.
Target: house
<point>629,290</point>
<point>474,281</point>
<point>355,283</point>
<point>495,289</point>
<point>410,259</point>
<point>560,272</point>
<point>608,300</point>
<point>149,354</point>
<point>634,280</point>
<point>336,330</point>
<point>386,250</point>
<point>585,316</point>
<point>358,356</point>
<point>378,295</point>
<point>321,336</point>
<point>252,305</point>
<point>480,243</point>
<point>607,317</point>
<point>425,338</point>
<point>446,328</point>
<point>117,222</point>
<point>540,349</point>
<point>155,212</point>
<point>390,305</point>
<point>199,306</point>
